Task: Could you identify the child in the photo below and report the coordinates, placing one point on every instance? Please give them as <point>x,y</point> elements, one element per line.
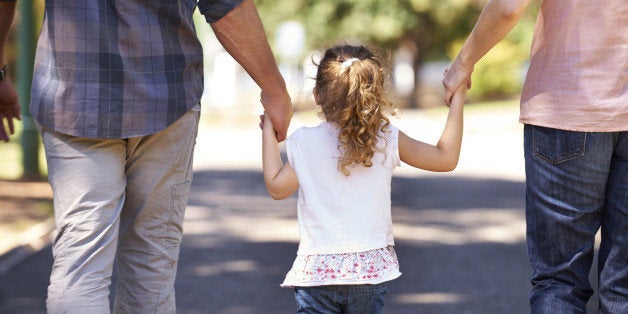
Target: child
<point>343,169</point>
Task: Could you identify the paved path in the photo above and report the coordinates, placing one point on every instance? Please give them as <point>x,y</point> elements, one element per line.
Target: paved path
<point>460,236</point>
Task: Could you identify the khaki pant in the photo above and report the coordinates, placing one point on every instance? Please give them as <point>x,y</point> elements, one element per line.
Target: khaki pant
<point>121,199</point>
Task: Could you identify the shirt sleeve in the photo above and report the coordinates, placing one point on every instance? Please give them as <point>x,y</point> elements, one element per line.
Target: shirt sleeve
<point>394,139</point>
<point>291,144</point>
<point>392,149</point>
<point>214,10</point>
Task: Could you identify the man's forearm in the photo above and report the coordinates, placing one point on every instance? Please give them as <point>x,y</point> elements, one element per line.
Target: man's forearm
<point>7,11</point>
<point>497,19</point>
<point>242,34</point>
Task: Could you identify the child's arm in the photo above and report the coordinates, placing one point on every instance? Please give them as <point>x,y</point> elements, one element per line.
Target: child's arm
<point>281,180</point>
<point>444,155</point>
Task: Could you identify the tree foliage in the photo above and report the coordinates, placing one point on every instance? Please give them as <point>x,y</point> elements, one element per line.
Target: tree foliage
<point>428,25</point>
<point>432,29</point>
<point>11,51</point>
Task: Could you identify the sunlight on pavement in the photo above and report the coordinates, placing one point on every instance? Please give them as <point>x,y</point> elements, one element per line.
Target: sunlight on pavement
<point>429,298</point>
<point>429,227</point>
<point>492,142</point>
<point>432,227</point>
<point>251,228</point>
<point>240,266</point>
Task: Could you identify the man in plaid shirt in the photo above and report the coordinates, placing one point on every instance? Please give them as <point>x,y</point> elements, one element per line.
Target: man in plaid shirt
<point>116,95</point>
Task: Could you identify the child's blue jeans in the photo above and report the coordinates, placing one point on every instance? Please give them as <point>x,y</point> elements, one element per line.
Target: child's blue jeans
<point>349,299</point>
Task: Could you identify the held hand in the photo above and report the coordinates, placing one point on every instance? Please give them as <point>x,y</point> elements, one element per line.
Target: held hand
<point>458,98</point>
<point>267,127</point>
<point>278,110</point>
<point>9,109</point>
<point>454,78</point>
<point>264,123</point>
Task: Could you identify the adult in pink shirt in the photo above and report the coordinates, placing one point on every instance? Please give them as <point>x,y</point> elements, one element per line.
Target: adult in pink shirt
<point>574,106</point>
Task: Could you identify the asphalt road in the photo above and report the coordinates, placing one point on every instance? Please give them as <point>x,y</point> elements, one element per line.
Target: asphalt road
<point>460,236</point>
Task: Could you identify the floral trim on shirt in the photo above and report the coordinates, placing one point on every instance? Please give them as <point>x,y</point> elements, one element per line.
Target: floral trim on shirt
<point>370,267</point>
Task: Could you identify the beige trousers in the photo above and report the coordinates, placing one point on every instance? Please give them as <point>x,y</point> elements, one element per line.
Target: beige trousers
<point>122,200</point>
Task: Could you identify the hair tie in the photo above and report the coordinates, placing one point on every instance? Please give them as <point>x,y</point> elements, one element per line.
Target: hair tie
<point>348,63</point>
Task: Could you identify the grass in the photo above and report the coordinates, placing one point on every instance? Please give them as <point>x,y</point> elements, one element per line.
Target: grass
<point>11,167</point>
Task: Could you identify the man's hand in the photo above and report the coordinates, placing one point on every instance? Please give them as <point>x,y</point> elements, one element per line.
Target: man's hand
<point>455,77</point>
<point>279,110</point>
<point>9,109</point>
<point>241,33</point>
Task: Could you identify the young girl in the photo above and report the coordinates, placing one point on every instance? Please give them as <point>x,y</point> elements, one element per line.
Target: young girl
<point>342,169</point>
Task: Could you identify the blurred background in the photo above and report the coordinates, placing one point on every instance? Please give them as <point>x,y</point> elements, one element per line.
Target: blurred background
<point>460,235</point>
<point>417,37</point>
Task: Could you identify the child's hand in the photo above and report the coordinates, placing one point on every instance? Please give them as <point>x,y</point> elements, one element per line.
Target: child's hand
<point>266,125</point>
<point>264,121</point>
<point>454,79</point>
<point>458,97</point>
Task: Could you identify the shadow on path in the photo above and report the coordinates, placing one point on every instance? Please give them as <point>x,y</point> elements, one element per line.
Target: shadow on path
<point>461,246</point>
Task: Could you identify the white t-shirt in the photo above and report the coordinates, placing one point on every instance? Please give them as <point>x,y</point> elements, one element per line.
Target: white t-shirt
<point>338,213</point>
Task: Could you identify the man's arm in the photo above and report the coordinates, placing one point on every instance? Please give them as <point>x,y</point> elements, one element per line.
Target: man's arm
<point>496,20</point>
<point>9,105</point>
<point>242,34</point>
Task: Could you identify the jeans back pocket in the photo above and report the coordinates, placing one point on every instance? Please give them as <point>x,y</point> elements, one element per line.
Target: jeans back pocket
<point>555,146</point>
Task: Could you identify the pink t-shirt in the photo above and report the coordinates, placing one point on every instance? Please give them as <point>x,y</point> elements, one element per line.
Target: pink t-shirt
<point>578,67</point>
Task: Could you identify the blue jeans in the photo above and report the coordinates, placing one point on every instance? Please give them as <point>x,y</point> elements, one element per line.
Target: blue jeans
<point>576,183</point>
<point>356,299</point>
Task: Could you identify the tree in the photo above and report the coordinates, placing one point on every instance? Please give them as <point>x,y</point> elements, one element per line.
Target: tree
<point>431,29</point>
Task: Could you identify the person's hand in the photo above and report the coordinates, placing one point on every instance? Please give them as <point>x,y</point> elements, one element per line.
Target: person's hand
<point>9,109</point>
<point>454,78</point>
<point>458,98</point>
<point>269,136</point>
<point>265,124</point>
<point>278,110</point>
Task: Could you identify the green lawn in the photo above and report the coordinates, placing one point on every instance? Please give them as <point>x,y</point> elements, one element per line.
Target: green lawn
<point>11,157</point>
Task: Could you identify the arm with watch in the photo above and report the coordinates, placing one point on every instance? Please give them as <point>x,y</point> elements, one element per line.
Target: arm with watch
<point>9,104</point>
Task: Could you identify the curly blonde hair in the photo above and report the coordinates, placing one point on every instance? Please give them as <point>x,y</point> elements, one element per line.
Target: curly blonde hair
<point>350,89</point>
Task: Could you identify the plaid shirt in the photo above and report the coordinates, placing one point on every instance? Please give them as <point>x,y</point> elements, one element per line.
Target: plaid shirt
<point>119,68</point>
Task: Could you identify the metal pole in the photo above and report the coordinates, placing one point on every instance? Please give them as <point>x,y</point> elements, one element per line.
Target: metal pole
<point>25,61</point>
